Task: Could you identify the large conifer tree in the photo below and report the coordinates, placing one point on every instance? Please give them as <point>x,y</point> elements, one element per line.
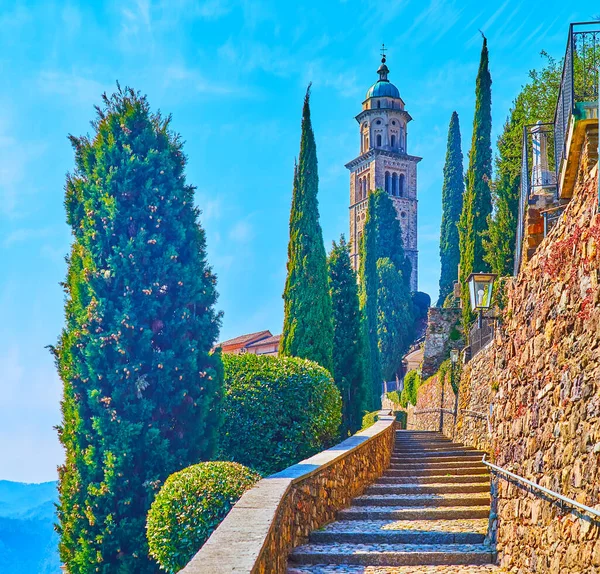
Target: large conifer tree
<point>477,200</point>
<point>382,239</point>
<point>452,194</point>
<point>348,359</point>
<point>141,389</point>
<point>307,326</point>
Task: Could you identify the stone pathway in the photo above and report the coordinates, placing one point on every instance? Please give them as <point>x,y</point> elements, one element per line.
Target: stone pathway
<point>428,513</point>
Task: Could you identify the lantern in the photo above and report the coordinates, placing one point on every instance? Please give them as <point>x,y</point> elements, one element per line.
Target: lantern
<point>480,290</point>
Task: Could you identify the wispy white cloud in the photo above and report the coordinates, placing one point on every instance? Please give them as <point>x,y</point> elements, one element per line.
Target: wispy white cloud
<point>488,23</point>
<point>26,234</point>
<point>434,21</point>
<point>77,88</point>
<point>242,232</point>
<point>15,157</point>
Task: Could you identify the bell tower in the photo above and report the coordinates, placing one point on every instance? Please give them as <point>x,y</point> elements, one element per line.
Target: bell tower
<point>384,163</point>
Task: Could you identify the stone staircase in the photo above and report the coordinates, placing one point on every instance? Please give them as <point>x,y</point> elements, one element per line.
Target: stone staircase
<point>428,513</point>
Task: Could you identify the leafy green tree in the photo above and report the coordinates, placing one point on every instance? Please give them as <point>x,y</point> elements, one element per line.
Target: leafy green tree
<point>452,194</point>
<point>348,360</point>
<point>142,390</point>
<point>307,326</point>
<point>535,102</point>
<point>477,199</point>
<point>382,238</point>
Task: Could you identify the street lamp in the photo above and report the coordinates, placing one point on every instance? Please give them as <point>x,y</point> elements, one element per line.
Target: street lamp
<point>454,356</point>
<point>480,291</point>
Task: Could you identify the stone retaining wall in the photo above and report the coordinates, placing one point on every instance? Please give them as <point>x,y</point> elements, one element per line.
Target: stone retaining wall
<point>426,414</point>
<point>443,333</point>
<point>546,409</point>
<point>282,509</point>
<point>540,383</point>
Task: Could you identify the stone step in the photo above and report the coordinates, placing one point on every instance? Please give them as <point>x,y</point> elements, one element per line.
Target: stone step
<point>414,513</point>
<point>433,463</point>
<point>429,500</point>
<point>436,458</point>
<point>410,478</point>
<point>435,488</point>
<point>350,569</point>
<point>403,532</point>
<point>442,455</point>
<point>435,471</point>
<point>428,450</point>
<point>396,537</point>
<point>392,554</point>
<point>459,525</point>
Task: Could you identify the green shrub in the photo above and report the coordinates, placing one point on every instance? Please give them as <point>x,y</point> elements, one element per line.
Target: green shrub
<point>394,396</point>
<point>189,506</point>
<point>369,419</point>
<point>412,381</point>
<point>277,411</point>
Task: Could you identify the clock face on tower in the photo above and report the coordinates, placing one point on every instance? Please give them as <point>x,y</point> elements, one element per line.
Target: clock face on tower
<point>384,163</point>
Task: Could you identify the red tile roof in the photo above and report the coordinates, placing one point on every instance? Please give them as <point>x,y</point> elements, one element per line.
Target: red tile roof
<point>269,340</point>
<point>243,339</point>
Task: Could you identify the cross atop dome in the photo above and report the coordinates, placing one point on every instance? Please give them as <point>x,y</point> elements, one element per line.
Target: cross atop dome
<point>383,70</point>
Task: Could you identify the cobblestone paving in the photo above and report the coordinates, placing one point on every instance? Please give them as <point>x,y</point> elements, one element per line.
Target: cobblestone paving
<point>478,526</point>
<point>425,497</point>
<point>356,549</point>
<point>402,533</point>
<point>347,569</point>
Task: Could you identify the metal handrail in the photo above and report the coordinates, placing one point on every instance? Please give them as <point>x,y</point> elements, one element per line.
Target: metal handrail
<point>545,490</point>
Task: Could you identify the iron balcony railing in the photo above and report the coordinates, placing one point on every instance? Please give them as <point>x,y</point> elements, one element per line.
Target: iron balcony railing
<point>578,87</point>
<point>579,81</point>
<point>538,175</point>
<point>481,335</point>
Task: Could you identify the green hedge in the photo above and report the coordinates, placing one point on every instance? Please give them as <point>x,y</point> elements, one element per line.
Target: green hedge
<point>277,411</point>
<point>369,419</point>
<point>189,506</point>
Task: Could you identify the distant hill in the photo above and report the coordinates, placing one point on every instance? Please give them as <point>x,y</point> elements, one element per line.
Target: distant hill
<point>28,543</point>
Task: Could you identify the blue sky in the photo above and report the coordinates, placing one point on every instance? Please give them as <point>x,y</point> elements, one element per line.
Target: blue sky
<point>233,74</point>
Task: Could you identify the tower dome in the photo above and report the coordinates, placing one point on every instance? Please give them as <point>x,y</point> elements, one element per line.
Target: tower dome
<point>383,87</point>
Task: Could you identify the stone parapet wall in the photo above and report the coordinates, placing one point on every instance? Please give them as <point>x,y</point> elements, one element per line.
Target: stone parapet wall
<point>282,509</point>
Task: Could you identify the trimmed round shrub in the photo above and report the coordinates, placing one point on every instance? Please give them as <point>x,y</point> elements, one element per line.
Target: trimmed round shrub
<point>189,506</point>
<point>277,411</point>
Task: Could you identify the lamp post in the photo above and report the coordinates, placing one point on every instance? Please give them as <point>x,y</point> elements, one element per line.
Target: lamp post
<point>480,292</point>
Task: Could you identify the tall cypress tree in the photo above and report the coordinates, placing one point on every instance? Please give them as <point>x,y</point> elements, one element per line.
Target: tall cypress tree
<point>142,390</point>
<point>307,326</point>
<point>394,319</point>
<point>452,197</point>
<point>382,239</point>
<point>348,359</point>
<point>477,201</point>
